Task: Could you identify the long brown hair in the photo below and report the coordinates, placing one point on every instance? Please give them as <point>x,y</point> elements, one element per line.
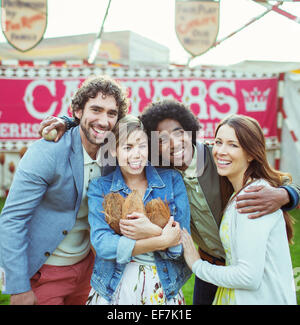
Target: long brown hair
<point>252,140</point>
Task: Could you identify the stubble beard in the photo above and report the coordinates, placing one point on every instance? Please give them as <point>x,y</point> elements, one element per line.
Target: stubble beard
<point>89,136</point>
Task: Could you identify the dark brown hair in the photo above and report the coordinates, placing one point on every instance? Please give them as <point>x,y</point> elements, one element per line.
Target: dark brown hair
<point>156,112</point>
<point>252,140</point>
<point>105,85</point>
<point>125,126</point>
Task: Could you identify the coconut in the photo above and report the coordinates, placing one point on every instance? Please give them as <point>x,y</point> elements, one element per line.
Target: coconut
<point>158,212</point>
<point>133,203</point>
<point>112,205</point>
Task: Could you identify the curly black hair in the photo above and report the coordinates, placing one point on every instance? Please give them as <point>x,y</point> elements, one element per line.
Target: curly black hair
<point>105,85</point>
<point>170,109</point>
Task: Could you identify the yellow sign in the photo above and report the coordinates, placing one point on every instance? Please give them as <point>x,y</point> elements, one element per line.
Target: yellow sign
<point>197,24</point>
<point>24,22</point>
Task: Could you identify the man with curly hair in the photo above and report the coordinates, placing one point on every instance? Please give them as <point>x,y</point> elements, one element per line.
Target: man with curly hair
<point>45,246</point>
<point>176,128</point>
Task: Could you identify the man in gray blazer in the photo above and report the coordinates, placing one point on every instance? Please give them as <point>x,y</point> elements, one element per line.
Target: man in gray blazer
<point>44,233</point>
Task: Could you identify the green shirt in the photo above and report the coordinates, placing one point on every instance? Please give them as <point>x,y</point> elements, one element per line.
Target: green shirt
<point>204,228</point>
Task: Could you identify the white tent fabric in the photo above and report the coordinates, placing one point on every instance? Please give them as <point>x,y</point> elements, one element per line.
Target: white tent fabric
<point>290,145</point>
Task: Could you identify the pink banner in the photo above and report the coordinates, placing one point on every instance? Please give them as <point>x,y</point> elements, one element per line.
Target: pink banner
<point>25,102</point>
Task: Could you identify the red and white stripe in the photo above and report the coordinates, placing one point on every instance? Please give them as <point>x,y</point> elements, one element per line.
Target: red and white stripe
<point>253,20</point>
<point>280,11</point>
<point>34,63</point>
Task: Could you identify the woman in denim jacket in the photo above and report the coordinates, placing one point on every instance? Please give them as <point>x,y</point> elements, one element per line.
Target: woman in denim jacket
<point>145,264</point>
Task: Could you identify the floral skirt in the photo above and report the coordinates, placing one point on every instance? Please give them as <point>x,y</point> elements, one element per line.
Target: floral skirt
<point>140,285</point>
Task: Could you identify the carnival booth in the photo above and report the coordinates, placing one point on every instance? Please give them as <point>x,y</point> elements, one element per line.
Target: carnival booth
<point>289,115</point>
<point>32,89</point>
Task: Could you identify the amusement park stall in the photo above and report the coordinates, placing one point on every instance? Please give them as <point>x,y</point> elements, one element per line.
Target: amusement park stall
<point>30,91</point>
<point>289,119</point>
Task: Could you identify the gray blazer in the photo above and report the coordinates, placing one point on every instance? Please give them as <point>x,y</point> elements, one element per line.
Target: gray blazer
<point>41,207</point>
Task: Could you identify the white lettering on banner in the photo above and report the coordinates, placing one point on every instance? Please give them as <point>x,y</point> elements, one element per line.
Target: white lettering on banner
<point>23,130</point>
<point>159,86</point>
<point>188,98</point>
<point>28,98</point>
<point>210,99</point>
<point>135,87</point>
<point>191,92</point>
<point>71,87</point>
<point>222,99</point>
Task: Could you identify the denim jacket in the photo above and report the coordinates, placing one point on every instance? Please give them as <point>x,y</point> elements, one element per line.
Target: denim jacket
<point>113,251</point>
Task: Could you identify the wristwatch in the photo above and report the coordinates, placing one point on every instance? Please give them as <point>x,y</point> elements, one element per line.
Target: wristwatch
<point>69,122</point>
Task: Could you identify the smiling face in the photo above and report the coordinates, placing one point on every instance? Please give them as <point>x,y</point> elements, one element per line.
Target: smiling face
<point>99,116</point>
<point>175,144</point>
<point>132,153</point>
<point>231,159</point>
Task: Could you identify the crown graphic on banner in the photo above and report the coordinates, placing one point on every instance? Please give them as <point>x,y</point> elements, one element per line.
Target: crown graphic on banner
<point>256,100</point>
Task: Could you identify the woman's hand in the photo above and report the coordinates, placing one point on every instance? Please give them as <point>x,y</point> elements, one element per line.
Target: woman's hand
<point>138,226</point>
<point>171,234</point>
<point>52,122</point>
<point>190,252</point>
